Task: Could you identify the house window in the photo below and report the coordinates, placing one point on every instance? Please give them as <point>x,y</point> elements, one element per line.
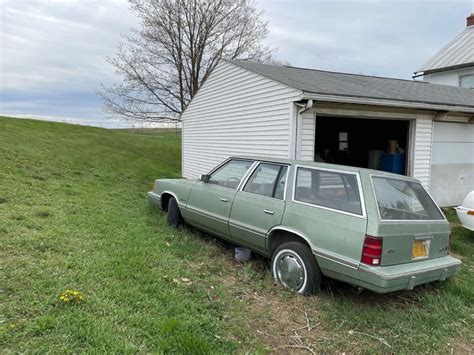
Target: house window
<point>466,81</point>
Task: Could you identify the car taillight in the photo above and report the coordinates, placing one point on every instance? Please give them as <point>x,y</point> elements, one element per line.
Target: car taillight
<point>372,251</point>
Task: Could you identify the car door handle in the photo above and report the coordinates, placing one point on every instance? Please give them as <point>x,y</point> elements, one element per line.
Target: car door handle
<point>223,199</point>
<point>268,212</point>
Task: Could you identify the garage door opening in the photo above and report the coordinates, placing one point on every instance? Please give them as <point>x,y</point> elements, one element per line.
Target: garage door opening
<point>366,143</point>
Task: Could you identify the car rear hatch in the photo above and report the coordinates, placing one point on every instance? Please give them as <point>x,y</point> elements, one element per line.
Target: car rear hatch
<point>412,228</point>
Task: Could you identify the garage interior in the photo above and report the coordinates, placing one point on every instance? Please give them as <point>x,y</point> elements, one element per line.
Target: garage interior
<point>366,143</point>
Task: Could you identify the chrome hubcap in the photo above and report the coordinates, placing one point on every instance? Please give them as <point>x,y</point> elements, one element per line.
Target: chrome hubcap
<point>290,271</point>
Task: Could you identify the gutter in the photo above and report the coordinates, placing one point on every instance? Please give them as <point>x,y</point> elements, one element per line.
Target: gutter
<point>383,102</point>
<point>443,69</point>
<point>305,107</point>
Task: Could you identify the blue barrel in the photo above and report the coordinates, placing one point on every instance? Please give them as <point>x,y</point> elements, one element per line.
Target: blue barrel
<point>393,163</point>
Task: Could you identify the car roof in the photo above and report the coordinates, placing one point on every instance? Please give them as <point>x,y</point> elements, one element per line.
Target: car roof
<point>326,166</point>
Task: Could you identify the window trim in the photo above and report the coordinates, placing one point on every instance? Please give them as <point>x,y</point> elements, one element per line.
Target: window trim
<point>359,186</point>
<point>281,165</point>
<point>404,220</point>
<point>244,178</point>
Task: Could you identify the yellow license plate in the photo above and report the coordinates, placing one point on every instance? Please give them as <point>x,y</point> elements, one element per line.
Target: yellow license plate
<point>420,249</point>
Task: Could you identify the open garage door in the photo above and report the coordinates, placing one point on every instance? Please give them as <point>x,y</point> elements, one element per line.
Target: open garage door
<point>366,143</point>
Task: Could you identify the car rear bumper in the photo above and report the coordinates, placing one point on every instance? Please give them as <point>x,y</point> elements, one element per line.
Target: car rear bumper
<point>407,276</point>
<point>386,279</point>
<point>154,199</point>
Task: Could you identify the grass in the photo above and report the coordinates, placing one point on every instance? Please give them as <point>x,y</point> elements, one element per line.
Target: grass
<point>74,215</point>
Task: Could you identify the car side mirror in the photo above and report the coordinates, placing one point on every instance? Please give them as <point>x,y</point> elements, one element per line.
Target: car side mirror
<point>204,178</point>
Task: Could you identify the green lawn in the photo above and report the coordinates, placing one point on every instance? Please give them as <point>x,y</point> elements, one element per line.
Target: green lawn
<point>74,215</point>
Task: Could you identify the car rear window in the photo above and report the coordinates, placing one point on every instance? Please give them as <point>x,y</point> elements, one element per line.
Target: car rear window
<point>329,189</point>
<point>404,200</point>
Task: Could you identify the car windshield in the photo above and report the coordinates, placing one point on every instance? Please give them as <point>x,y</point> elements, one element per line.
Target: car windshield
<point>404,200</point>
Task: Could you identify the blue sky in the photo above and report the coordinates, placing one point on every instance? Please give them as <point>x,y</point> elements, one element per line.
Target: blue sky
<point>52,53</point>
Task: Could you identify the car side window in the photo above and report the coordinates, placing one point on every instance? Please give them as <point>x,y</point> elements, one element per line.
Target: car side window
<point>335,190</point>
<point>231,173</point>
<point>267,180</point>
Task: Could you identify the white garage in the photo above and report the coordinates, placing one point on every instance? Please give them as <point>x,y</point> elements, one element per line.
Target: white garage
<point>403,126</point>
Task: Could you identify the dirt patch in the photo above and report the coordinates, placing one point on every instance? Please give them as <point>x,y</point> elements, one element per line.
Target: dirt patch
<point>9,256</point>
<point>461,346</point>
<point>281,321</point>
<point>283,325</point>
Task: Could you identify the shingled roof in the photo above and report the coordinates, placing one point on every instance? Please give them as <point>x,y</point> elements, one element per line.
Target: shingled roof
<point>325,83</point>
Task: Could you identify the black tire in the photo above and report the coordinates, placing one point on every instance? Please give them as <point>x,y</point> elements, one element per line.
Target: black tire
<point>294,266</point>
<point>174,215</point>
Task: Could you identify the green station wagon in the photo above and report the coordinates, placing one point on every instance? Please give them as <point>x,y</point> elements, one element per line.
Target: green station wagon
<point>375,230</point>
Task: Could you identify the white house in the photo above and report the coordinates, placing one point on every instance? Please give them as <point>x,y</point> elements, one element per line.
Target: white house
<point>246,108</point>
<point>454,64</point>
<point>452,161</point>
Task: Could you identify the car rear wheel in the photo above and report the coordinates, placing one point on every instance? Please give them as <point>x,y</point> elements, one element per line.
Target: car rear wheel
<point>174,215</point>
<point>295,267</point>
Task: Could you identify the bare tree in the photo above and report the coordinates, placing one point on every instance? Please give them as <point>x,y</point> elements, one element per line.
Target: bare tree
<point>180,42</point>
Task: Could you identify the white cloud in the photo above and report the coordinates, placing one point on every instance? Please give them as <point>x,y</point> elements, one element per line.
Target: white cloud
<point>52,53</point>
<point>383,37</point>
<point>51,45</point>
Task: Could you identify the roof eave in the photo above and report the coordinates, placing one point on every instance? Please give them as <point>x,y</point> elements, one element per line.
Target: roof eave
<point>438,70</point>
<point>384,102</point>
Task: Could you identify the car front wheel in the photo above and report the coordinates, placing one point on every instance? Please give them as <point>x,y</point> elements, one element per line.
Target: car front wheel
<point>174,215</point>
<point>295,267</point>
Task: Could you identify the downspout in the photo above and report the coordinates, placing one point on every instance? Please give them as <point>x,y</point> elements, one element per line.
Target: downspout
<point>303,108</point>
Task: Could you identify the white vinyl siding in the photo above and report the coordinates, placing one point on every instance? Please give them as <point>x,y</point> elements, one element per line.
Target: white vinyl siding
<point>235,113</point>
<point>449,77</point>
<point>305,137</point>
<point>422,150</point>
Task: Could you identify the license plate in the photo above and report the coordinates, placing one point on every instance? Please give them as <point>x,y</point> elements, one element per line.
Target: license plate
<point>420,249</point>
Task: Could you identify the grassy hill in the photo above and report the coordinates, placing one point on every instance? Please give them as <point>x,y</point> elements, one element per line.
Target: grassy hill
<point>74,216</point>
